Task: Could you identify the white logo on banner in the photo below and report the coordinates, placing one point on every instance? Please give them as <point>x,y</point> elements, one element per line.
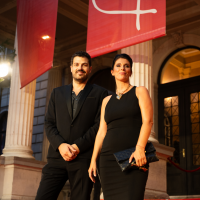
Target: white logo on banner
<point>137,12</point>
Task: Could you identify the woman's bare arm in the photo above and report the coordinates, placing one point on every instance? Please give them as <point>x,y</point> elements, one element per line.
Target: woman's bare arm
<point>146,108</point>
<point>99,140</point>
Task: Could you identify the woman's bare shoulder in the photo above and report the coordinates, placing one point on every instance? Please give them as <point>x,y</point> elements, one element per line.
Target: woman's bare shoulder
<point>106,100</point>
<point>141,90</point>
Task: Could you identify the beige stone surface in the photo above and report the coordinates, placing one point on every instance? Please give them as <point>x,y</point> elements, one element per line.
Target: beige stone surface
<point>157,181</point>
<point>20,178</point>
<point>8,180</point>
<point>26,176</point>
<point>1,174</point>
<point>157,176</point>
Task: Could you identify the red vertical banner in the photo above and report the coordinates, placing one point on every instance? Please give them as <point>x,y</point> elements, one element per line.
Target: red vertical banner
<point>36,27</point>
<point>116,24</point>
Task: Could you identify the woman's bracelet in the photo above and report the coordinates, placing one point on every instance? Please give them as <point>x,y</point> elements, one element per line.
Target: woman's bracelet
<point>140,146</point>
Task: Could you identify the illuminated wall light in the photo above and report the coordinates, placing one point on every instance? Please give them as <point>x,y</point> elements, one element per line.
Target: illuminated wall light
<point>4,69</point>
<point>45,37</point>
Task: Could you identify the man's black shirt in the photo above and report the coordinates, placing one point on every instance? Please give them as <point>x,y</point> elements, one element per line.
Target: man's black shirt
<point>75,100</point>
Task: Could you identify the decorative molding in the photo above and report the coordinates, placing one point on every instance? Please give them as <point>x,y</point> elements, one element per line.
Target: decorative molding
<point>72,16</point>
<point>7,35</point>
<point>8,22</point>
<point>70,41</point>
<point>197,1</point>
<point>8,6</point>
<point>178,39</point>
<point>67,53</point>
<point>77,5</point>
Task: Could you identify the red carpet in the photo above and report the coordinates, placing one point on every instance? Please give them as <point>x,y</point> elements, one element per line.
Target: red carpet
<point>172,199</point>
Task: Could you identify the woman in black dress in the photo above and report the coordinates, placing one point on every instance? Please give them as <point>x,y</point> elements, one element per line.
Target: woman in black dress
<point>126,121</point>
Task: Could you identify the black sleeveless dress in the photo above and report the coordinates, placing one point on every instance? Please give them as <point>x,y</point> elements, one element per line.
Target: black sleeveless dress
<point>124,121</point>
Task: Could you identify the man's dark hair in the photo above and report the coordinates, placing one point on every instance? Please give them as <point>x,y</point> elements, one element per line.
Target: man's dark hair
<point>82,54</point>
<point>123,55</point>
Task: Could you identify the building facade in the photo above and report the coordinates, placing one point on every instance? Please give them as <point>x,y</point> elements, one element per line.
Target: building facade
<point>169,67</point>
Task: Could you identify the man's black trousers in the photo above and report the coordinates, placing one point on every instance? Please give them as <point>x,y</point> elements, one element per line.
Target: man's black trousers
<point>57,172</point>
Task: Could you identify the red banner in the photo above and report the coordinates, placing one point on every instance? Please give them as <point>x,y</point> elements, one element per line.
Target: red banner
<point>36,27</point>
<point>116,24</point>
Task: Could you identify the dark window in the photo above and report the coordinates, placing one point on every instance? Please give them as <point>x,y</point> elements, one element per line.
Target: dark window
<point>3,124</point>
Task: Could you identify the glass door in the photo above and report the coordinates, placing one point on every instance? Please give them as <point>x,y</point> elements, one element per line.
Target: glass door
<point>192,96</point>
<point>179,127</point>
<point>172,133</point>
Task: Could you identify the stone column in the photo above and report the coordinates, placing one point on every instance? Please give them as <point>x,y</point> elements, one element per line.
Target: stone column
<point>68,76</point>
<point>54,80</point>
<point>142,73</point>
<point>20,115</point>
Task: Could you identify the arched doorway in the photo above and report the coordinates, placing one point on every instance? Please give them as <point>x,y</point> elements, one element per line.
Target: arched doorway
<point>3,124</point>
<point>104,79</point>
<point>179,118</point>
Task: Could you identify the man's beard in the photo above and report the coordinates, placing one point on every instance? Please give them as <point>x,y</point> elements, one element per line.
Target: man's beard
<point>80,79</point>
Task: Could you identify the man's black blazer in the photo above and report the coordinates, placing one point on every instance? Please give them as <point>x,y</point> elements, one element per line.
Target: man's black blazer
<point>82,130</point>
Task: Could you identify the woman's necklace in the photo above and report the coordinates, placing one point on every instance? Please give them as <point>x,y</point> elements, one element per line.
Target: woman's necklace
<point>119,94</point>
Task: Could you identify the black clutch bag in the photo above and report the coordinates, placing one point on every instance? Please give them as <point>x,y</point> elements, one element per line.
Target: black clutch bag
<point>122,157</point>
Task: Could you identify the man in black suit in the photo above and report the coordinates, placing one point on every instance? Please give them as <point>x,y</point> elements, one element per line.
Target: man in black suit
<point>71,124</point>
